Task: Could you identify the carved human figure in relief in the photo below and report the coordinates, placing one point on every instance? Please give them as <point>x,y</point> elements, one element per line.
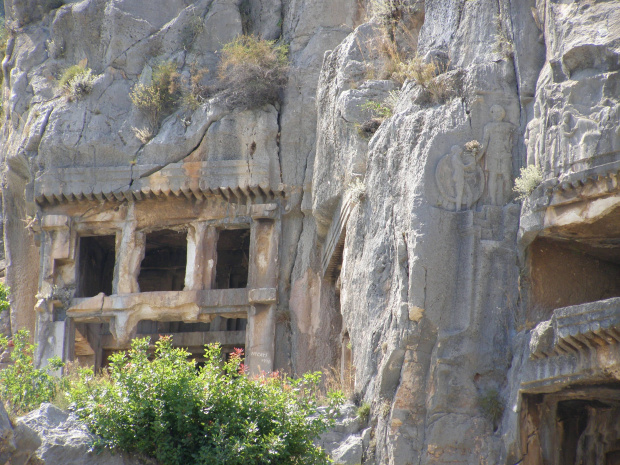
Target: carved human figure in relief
<point>497,142</point>
<point>463,163</point>
<point>580,136</point>
<point>459,178</point>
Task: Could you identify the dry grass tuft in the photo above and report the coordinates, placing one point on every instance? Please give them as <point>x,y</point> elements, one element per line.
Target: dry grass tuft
<point>144,135</point>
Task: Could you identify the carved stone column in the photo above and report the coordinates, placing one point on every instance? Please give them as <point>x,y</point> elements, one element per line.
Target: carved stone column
<point>201,257</point>
<point>263,281</point>
<point>56,288</point>
<point>129,255</point>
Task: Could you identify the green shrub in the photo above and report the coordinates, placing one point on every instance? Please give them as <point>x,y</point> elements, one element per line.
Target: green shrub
<point>192,29</point>
<point>22,386</point>
<point>168,409</point>
<point>530,177</point>
<point>157,99</point>
<point>491,405</point>
<point>253,71</point>
<point>363,412</point>
<point>4,297</point>
<point>69,74</point>
<point>377,109</point>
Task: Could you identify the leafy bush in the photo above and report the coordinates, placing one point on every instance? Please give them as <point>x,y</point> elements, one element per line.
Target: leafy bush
<point>22,386</point>
<point>529,178</point>
<point>377,109</point>
<point>168,409</point>
<point>253,71</point>
<point>157,99</point>
<point>4,297</point>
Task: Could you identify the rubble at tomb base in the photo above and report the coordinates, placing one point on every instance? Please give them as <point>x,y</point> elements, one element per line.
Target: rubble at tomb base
<point>479,328</point>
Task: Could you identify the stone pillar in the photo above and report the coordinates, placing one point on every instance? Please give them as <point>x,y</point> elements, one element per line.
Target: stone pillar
<point>263,281</point>
<point>21,252</point>
<point>201,257</point>
<point>129,255</point>
<point>55,288</point>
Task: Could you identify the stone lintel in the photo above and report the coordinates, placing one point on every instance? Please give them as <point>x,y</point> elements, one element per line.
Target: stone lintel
<point>264,211</point>
<point>55,222</point>
<point>189,339</point>
<point>263,296</point>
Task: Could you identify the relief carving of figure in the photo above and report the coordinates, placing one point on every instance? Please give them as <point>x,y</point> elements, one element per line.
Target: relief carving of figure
<point>580,136</point>
<point>459,178</point>
<point>497,143</point>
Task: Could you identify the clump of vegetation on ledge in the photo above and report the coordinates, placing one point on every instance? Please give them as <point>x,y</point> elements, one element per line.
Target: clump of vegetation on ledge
<point>77,81</point>
<point>157,99</point>
<point>166,408</point>
<point>530,177</point>
<point>253,71</point>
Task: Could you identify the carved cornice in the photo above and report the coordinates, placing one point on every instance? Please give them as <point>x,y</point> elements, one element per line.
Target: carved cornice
<point>233,180</point>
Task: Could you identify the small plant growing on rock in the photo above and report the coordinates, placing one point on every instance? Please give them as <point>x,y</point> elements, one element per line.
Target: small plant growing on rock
<point>81,85</point>
<point>377,109</point>
<point>191,31</point>
<point>144,135</point>
<point>356,190</point>
<point>529,178</point>
<point>473,146</point>
<point>426,75</point>
<point>391,11</point>
<point>194,92</point>
<point>158,98</point>
<point>4,297</point>
<point>77,81</point>
<point>363,412</point>
<point>253,71</point>
<point>386,407</point>
<point>491,405</point>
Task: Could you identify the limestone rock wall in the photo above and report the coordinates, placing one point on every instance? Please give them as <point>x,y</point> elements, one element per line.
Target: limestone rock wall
<point>431,293</point>
<point>402,242</point>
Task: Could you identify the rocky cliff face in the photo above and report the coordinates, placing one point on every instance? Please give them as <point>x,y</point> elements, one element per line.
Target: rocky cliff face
<point>403,246</point>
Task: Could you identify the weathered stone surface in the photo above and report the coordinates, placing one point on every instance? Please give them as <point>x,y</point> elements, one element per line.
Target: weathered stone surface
<point>345,441</point>
<point>53,437</point>
<point>7,441</point>
<point>393,243</point>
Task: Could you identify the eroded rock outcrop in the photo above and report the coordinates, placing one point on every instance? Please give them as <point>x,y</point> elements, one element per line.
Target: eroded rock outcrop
<point>50,436</point>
